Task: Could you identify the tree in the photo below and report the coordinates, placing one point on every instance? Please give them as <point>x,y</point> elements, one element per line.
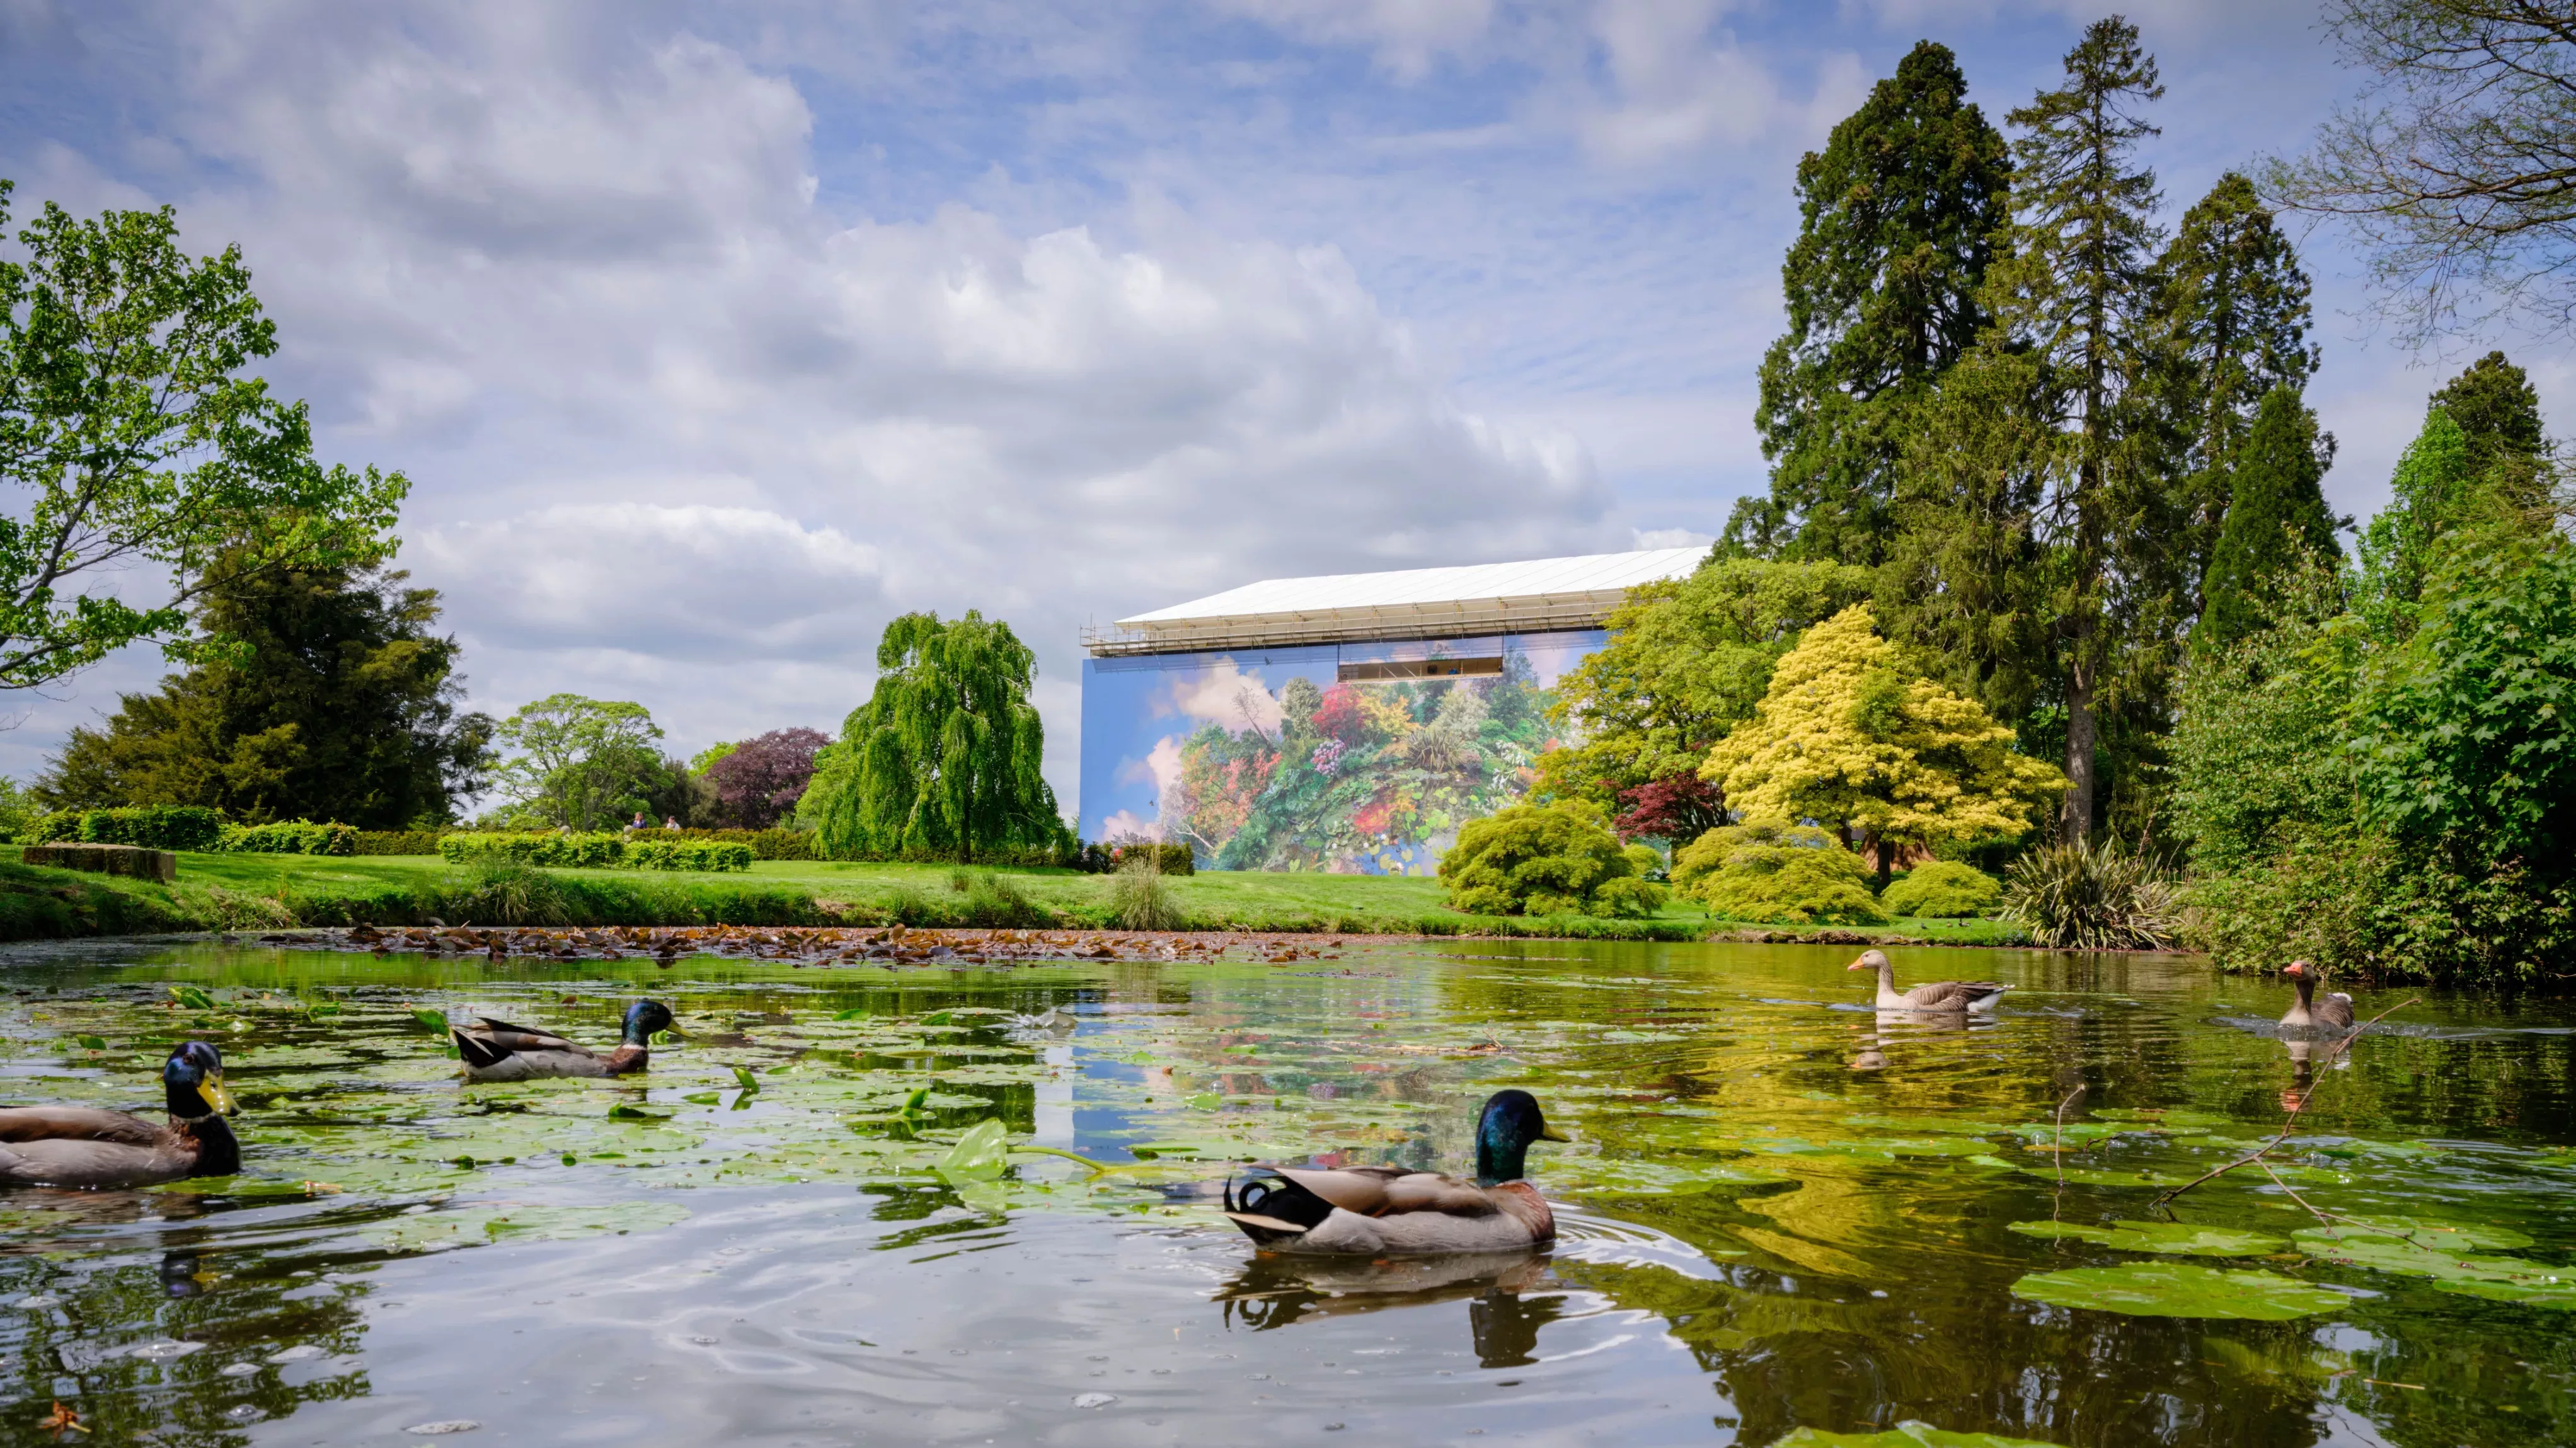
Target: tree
<point>2278,514</point>
<point>943,757</point>
<point>1897,217</point>
<point>1686,662</point>
<point>144,454</point>
<point>2457,165</point>
<point>2498,412</point>
<point>2231,325</point>
<point>580,764</point>
<point>335,702</point>
<point>759,780</point>
<point>2074,290</point>
<point>1547,859</point>
<point>1851,735</point>
<point>1677,810</point>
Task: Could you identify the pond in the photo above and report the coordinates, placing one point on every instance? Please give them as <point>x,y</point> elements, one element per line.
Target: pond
<point>1783,1216</point>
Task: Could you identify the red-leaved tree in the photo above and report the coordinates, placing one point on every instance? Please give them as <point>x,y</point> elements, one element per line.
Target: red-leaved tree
<point>1677,808</point>
<point>762,779</point>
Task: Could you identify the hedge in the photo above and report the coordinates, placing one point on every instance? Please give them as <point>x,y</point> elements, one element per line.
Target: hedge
<point>644,853</point>
<point>590,852</point>
<point>154,827</point>
<point>289,837</point>
<point>764,844</point>
<point>396,842</point>
<point>1100,859</point>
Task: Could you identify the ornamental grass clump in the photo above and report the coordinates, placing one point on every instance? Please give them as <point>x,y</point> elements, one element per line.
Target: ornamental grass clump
<point>2093,897</point>
<point>1141,899</point>
<point>1943,890</point>
<point>1769,872</point>
<point>1552,859</point>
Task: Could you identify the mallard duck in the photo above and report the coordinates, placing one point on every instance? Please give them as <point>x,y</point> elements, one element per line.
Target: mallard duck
<point>498,1051</point>
<point>2334,1013</point>
<point>82,1146</point>
<point>1952,996</point>
<point>1375,1210</point>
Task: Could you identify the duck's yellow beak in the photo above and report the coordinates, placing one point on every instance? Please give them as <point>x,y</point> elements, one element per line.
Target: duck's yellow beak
<point>1551,1133</point>
<point>216,1097</point>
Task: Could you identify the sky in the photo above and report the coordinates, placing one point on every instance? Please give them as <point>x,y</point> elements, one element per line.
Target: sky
<point>713,336</point>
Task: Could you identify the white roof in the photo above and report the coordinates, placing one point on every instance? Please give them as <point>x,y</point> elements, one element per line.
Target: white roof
<point>1533,596</point>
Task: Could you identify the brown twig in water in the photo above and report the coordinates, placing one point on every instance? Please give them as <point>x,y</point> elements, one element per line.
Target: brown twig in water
<point>2292,1124</point>
<point>2057,1144</point>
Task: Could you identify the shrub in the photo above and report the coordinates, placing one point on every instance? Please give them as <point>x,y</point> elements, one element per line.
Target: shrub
<point>1943,890</point>
<point>644,853</point>
<point>1552,859</point>
<point>395,842</point>
<point>996,902</point>
<point>498,890</point>
<point>289,837</point>
<point>569,851</point>
<point>1771,872</point>
<point>1139,898</point>
<point>2088,897</point>
<point>1101,859</point>
<point>154,827</point>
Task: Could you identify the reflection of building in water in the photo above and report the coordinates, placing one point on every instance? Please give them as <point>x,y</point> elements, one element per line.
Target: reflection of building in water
<point>1347,724</point>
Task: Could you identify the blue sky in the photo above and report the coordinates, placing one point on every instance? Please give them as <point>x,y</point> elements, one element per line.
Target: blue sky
<point>712,336</point>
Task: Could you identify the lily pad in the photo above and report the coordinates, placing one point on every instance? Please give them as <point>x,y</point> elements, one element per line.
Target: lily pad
<point>977,1156</point>
<point>2180,1289</point>
<point>2506,1279</point>
<point>486,1222</point>
<point>1905,1435</point>
<point>2175,1239</point>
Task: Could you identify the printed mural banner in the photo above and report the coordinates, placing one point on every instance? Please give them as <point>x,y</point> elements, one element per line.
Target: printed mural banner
<point>1349,759</point>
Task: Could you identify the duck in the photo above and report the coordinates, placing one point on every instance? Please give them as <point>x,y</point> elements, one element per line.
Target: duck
<point>84,1146</point>
<point>2334,1013</point>
<point>498,1051</point>
<point>1376,1211</point>
<point>1950,996</point>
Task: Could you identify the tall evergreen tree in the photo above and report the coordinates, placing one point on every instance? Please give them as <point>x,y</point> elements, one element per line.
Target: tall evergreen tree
<point>2498,414</point>
<point>325,696</point>
<point>2232,321</point>
<point>1897,215</point>
<point>2277,513</point>
<point>2076,290</point>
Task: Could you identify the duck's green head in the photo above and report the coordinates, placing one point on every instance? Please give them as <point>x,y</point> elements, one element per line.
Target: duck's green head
<point>1503,1135</point>
<point>192,1083</point>
<point>643,1019</point>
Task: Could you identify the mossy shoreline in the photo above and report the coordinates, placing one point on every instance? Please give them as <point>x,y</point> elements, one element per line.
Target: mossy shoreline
<point>230,893</point>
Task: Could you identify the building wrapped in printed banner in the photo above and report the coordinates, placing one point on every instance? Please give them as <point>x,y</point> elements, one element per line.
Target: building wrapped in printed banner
<point>1347,724</point>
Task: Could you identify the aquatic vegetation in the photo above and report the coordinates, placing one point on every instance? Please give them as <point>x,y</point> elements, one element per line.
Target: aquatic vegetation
<point>1904,1435</point>
<point>2170,1238</point>
<point>2180,1289</point>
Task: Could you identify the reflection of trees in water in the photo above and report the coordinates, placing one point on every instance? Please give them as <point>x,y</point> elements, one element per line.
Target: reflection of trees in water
<point>78,1347</point>
<point>1506,1295</point>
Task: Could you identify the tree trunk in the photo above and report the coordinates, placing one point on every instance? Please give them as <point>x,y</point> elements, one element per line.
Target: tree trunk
<point>2076,821</point>
<point>1886,863</point>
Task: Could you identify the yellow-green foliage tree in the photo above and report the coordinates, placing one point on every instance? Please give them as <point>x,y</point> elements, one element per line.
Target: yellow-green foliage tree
<point>1793,874</point>
<point>1851,733</point>
<point>1548,859</point>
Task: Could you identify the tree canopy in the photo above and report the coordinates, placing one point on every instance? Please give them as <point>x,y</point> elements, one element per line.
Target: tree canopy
<point>2277,513</point>
<point>757,781</point>
<point>335,702</point>
<point>580,764</point>
<point>1896,221</point>
<point>142,451</point>
<point>1851,734</point>
<point>943,758</point>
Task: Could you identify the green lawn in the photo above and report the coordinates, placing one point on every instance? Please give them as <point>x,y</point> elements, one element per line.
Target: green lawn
<point>229,891</point>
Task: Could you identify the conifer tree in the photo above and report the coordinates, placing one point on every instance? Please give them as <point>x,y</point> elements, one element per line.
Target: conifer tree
<point>2232,320</point>
<point>2277,514</point>
<point>2498,414</point>
<point>2076,292</point>
<point>1897,217</point>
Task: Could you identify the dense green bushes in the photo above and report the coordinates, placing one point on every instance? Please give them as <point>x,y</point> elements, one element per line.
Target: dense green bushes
<point>154,827</point>
<point>772,844</point>
<point>395,842</point>
<point>1792,873</point>
<point>288,837</point>
<point>644,852</point>
<point>595,851</point>
<point>1555,859</point>
<point>1943,890</point>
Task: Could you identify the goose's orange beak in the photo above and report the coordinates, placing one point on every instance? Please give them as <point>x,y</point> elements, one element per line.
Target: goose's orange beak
<point>1857,964</point>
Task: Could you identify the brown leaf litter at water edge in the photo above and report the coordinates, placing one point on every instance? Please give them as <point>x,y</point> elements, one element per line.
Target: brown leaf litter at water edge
<point>888,945</point>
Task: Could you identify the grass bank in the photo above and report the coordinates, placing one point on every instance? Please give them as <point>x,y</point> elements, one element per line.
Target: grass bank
<point>238,892</point>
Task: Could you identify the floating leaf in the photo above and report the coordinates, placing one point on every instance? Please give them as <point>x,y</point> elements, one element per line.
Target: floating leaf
<point>193,998</point>
<point>430,1019</point>
<point>2508,1279</point>
<point>1905,1435</point>
<point>2170,1238</point>
<point>93,1043</point>
<point>623,1112</point>
<point>745,1079</point>
<point>977,1156</point>
<point>2180,1289</point>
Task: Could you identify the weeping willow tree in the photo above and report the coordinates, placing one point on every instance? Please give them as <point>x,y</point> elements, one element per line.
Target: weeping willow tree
<point>942,760</point>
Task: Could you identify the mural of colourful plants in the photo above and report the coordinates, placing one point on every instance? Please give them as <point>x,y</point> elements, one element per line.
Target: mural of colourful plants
<point>1315,773</point>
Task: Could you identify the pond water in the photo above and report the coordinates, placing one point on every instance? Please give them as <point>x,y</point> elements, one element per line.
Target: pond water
<point>1784,1217</point>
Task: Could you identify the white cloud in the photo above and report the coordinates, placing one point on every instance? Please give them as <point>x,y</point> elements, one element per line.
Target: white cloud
<point>1681,83</point>
<point>1226,695</point>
